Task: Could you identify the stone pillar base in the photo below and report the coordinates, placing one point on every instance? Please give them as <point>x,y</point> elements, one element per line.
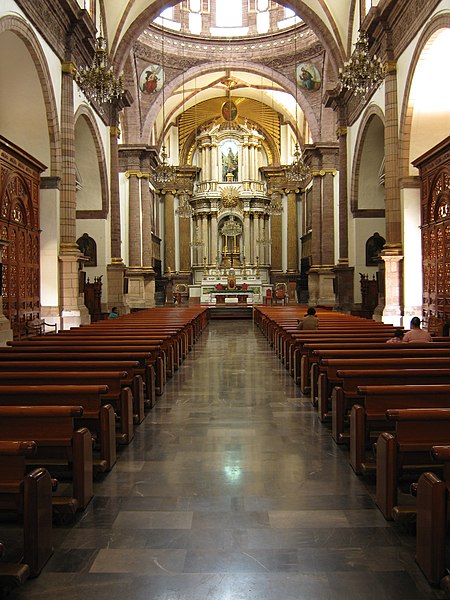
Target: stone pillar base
<point>115,274</point>
<point>321,287</point>
<point>392,312</point>
<point>141,288</point>
<point>73,309</point>
<point>344,286</point>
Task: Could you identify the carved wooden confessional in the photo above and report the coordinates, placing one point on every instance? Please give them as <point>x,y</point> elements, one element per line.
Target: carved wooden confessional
<point>19,226</point>
<point>434,169</point>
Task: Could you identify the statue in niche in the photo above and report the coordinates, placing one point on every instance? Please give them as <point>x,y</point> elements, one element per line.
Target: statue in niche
<point>374,245</point>
<point>88,247</point>
<point>229,164</point>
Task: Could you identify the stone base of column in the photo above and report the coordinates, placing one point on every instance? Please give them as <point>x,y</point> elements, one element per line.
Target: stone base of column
<point>73,309</point>
<point>344,286</point>
<point>115,274</point>
<point>51,315</point>
<point>392,312</point>
<point>321,286</point>
<point>141,288</point>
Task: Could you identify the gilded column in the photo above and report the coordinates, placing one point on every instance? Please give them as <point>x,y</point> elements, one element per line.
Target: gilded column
<point>169,232</point>
<point>277,259</point>
<point>292,232</point>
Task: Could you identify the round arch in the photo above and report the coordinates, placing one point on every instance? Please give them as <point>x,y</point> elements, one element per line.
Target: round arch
<point>205,69</point>
<point>85,113</point>
<point>20,28</point>
<point>437,24</point>
<point>373,112</point>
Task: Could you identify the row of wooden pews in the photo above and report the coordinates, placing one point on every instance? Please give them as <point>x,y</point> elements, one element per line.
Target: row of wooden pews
<point>390,404</point>
<point>69,401</point>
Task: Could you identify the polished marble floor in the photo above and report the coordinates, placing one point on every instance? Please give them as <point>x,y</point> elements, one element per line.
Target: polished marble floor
<point>231,490</point>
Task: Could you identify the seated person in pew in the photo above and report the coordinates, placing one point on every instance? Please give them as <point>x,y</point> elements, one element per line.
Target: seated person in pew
<point>114,313</point>
<point>309,321</point>
<point>416,334</point>
<point>398,337</point>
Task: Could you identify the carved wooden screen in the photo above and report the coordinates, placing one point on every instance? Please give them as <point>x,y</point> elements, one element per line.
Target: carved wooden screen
<point>19,225</point>
<point>434,168</point>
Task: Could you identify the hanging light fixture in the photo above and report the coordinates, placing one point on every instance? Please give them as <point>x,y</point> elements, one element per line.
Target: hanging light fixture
<point>98,82</point>
<point>231,228</point>
<point>361,73</point>
<point>297,171</point>
<point>163,173</point>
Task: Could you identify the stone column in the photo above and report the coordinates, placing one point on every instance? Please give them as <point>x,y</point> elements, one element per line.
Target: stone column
<point>147,241</point>
<point>392,253</point>
<point>247,241</point>
<point>214,238</point>
<point>184,227</point>
<point>134,218</point>
<point>116,269</point>
<point>205,238</point>
<point>73,310</point>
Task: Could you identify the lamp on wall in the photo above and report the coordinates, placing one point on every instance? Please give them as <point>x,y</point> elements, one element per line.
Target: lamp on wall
<point>163,173</point>
<point>98,81</point>
<point>361,73</point>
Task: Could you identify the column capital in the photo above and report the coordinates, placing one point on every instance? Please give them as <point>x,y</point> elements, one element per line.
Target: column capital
<point>69,68</point>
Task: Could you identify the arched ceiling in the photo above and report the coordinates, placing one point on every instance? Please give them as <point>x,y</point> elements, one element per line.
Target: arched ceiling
<point>333,21</point>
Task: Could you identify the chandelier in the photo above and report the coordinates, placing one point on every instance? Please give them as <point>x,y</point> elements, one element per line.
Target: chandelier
<point>297,171</point>
<point>231,228</point>
<point>275,206</point>
<point>184,210</point>
<point>164,173</point>
<point>361,73</point>
<point>98,82</point>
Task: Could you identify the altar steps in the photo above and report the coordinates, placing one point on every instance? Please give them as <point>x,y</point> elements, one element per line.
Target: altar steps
<point>230,311</point>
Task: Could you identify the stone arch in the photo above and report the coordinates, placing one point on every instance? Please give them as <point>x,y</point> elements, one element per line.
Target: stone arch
<point>85,113</point>
<point>24,32</point>
<point>288,85</point>
<point>441,21</point>
<point>372,112</point>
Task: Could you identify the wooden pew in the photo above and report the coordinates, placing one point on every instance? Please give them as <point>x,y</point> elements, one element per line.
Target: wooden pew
<point>98,417</point>
<point>407,450</point>
<point>28,494</point>
<point>151,364</point>
<point>346,394</point>
<point>132,379</point>
<point>58,443</point>
<point>120,397</point>
<point>432,520</point>
<point>369,418</point>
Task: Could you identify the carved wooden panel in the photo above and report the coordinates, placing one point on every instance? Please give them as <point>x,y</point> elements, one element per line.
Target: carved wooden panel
<point>19,225</point>
<point>434,168</point>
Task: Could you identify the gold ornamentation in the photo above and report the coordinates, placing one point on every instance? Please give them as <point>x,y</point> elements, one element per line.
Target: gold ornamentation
<point>230,198</point>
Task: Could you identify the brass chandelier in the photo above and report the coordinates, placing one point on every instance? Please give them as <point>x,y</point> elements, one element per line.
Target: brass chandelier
<point>297,171</point>
<point>361,73</point>
<point>98,82</point>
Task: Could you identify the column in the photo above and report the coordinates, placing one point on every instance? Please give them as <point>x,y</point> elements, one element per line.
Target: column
<point>292,232</point>
<point>184,228</point>
<point>277,258</point>
<point>73,310</point>
<point>392,253</point>
<point>115,270</point>
<point>205,238</point>
<point>134,219</point>
<point>169,232</point>
<point>214,238</point>
<point>247,241</point>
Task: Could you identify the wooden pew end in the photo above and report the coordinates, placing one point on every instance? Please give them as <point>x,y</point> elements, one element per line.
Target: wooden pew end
<point>12,576</point>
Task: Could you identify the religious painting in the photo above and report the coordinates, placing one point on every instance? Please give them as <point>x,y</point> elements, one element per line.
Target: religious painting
<point>151,79</point>
<point>229,110</point>
<point>229,155</point>
<point>308,77</point>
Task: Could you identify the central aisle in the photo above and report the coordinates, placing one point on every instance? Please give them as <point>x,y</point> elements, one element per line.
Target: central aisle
<point>231,490</point>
